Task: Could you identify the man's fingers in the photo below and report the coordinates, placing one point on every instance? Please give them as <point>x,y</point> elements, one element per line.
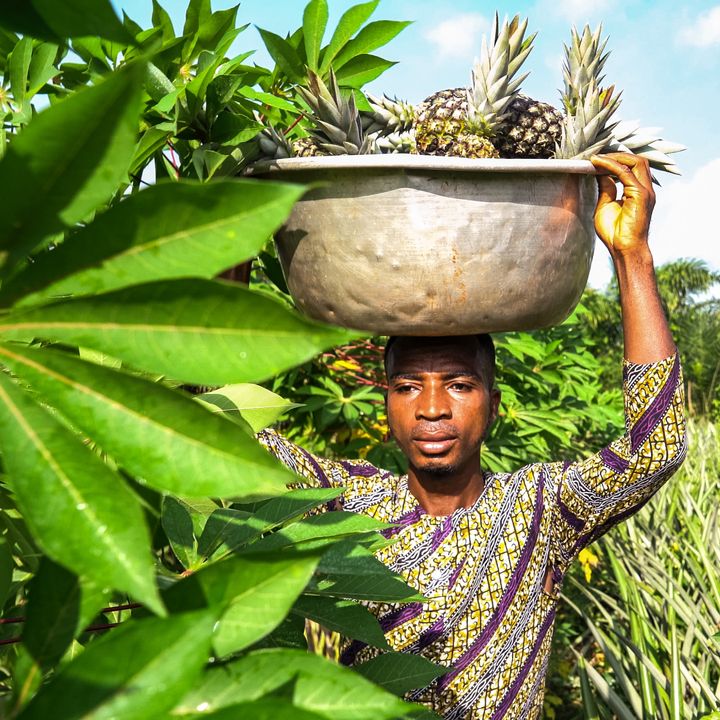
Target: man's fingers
<point>607,190</point>
<point>631,170</point>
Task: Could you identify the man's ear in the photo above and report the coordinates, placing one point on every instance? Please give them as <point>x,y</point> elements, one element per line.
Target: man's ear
<point>495,396</point>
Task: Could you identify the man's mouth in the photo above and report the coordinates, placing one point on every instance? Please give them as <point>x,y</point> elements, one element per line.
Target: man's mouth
<point>434,443</point>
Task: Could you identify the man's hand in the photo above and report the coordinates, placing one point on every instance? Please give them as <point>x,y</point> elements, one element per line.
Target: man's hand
<point>623,223</point>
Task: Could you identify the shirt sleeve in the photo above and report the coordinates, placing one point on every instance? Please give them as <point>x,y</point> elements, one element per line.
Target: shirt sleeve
<point>594,494</point>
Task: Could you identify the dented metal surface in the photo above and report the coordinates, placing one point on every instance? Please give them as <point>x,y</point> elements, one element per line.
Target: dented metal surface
<point>397,244</point>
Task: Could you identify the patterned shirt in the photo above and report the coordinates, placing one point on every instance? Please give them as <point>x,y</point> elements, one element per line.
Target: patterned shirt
<point>482,569</point>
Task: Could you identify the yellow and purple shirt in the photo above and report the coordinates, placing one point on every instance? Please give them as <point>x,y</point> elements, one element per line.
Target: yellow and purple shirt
<point>482,569</point>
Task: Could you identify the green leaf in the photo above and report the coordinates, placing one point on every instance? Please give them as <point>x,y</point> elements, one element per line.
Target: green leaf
<point>169,230</point>
<point>69,160</point>
<point>200,332</point>
<point>259,406</point>
<point>234,529</point>
<point>171,442</point>
<point>371,37</point>
<point>42,67</point>
<point>362,69</point>
<point>330,525</point>
<point>161,19</point>
<point>53,20</point>
<point>19,66</point>
<point>265,709</point>
<point>255,593</point>
<point>344,616</point>
<point>60,606</point>
<point>221,529</point>
<point>351,571</point>
<point>320,686</point>
<point>178,526</point>
<point>284,54</point>
<point>400,673</point>
<point>315,20</point>
<point>135,672</point>
<point>80,512</point>
<point>7,565</point>
<point>268,99</point>
<point>351,21</point>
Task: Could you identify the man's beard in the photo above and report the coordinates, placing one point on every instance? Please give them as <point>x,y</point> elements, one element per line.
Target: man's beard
<point>439,469</point>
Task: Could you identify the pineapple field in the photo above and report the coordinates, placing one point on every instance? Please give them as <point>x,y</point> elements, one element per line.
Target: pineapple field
<point>153,563</point>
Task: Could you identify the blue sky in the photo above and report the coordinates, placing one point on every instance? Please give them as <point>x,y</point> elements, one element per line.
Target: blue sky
<point>665,57</point>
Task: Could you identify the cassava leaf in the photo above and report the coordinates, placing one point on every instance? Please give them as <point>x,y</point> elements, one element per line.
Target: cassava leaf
<point>254,594</point>
<point>330,525</point>
<point>400,673</point>
<point>53,20</point>
<point>80,512</point>
<point>135,672</point>
<point>257,405</point>
<point>169,441</point>
<point>60,606</point>
<point>235,529</point>
<point>68,161</point>
<point>319,686</point>
<point>169,230</point>
<point>344,616</point>
<point>200,332</point>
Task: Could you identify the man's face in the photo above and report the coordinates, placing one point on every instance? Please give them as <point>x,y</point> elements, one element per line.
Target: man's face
<point>439,404</point>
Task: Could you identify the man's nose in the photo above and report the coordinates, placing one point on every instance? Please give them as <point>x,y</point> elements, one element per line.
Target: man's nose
<point>432,404</point>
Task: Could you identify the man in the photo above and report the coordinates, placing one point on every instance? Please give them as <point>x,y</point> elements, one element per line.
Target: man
<point>489,551</point>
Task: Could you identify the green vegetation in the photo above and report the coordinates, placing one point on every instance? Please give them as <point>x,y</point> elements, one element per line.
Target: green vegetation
<point>136,576</point>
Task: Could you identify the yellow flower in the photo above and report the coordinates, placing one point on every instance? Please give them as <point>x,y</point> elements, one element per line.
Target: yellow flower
<point>588,561</point>
<point>345,365</point>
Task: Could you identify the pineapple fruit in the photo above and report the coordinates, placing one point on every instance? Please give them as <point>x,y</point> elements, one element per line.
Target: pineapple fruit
<point>448,124</point>
<point>490,119</point>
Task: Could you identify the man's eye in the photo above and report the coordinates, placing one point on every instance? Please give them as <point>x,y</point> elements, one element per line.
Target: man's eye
<point>460,386</point>
<point>403,388</point>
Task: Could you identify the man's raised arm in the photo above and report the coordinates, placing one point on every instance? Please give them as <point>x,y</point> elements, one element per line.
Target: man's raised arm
<point>622,224</point>
<point>594,494</point>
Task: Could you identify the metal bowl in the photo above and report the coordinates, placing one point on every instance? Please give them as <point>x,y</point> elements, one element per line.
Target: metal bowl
<point>420,245</point>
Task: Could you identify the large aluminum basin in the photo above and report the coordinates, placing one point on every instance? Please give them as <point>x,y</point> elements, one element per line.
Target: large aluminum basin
<point>418,245</point>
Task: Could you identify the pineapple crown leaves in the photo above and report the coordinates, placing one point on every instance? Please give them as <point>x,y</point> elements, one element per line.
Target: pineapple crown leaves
<point>388,116</point>
<point>646,142</point>
<point>337,126</point>
<point>584,61</point>
<point>274,144</point>
<point>494,85</point>
<point>588,131</point>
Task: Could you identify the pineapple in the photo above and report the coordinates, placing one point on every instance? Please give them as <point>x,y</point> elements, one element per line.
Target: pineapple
<point>448,124</point>
<point>337,126</point>
<point>586,129</point>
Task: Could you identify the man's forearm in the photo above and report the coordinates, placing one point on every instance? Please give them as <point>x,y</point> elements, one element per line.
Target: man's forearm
<point>645,327</point>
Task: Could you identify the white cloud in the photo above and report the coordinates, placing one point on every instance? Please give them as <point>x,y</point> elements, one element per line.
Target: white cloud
<point>459,36</point>
<point>684,224</point>
<point>705,31</point>
<point>579,11</point>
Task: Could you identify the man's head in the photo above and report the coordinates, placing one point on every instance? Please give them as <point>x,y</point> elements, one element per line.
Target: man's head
<point>441,399</point>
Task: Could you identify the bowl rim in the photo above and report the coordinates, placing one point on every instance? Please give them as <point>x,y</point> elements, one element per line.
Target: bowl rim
<point>404,161</point>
